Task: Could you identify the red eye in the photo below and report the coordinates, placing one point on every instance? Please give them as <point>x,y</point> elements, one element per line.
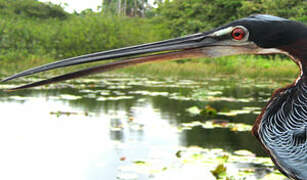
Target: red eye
<point>238,33</point>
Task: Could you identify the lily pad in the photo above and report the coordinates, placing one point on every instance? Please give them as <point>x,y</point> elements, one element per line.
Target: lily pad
<point>148,93</point>
<point>69,97</point>
<point>193,110</point>
<point>114,98</point>
<point>211,124</point>
<point>60,113</point>
<point>245,110</point>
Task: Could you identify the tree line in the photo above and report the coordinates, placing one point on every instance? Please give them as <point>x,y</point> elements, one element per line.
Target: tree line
<point>190,16</point>
<point>130,8</point>
<point>31,28</point>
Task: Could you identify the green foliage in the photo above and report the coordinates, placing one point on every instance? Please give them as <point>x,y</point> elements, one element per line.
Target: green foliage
<point>292,9</point>
<point>31,8</point>
<point>23,36</point>
<point>95,32</point>
<point>191,16</point>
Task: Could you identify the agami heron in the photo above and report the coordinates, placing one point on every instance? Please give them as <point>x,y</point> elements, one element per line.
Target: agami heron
<point>281,127</point>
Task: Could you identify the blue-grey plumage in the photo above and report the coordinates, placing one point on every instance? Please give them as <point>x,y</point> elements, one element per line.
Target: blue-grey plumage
<point>283,129</point>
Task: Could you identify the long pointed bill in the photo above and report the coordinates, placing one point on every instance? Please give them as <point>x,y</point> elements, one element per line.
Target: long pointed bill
<point>197,45</point>
<point>173,49</point>
<point>192,53</point>
<point>187,42</point>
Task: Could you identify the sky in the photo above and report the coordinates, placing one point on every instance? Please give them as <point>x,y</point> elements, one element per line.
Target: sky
<point>78,5</point>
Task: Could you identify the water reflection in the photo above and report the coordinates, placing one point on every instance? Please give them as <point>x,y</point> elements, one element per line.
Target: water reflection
<point>114,121</point>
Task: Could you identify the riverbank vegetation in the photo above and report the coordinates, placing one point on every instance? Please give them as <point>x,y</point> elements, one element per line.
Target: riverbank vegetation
<point>34,33</point>
<point>237,67</point>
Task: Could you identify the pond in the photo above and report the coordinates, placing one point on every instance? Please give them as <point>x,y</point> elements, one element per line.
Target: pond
<point>122,127</point>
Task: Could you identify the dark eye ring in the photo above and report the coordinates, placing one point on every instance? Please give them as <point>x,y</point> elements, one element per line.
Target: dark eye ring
<point>238,33</point>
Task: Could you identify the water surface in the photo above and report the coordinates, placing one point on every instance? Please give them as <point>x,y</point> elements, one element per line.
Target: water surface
<point>97,127</point>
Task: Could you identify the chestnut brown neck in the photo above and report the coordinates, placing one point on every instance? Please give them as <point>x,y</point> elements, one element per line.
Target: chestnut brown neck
<point>298,51</point>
